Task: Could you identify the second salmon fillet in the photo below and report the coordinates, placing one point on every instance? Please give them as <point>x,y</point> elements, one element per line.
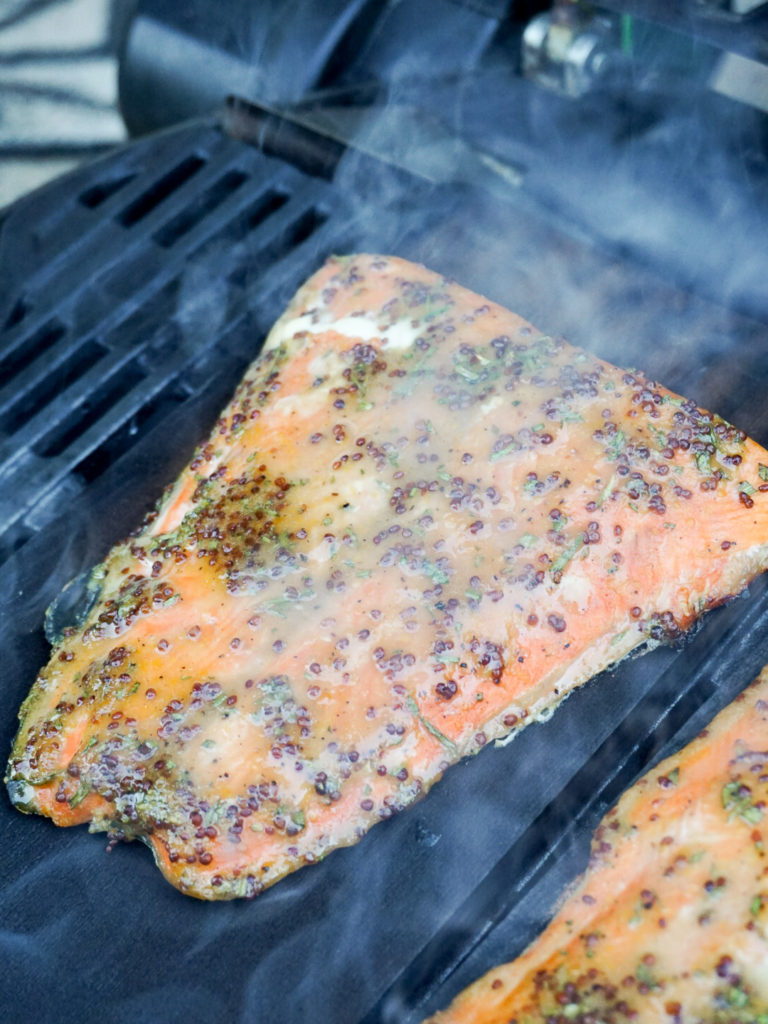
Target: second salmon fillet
<point>418,526</point>
<point>670,921</point>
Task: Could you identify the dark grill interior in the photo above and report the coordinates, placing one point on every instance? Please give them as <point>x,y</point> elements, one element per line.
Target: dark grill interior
<point>137,291</point>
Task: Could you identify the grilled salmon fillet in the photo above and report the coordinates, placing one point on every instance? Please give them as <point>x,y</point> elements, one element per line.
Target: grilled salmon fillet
<point>418,525</point>
<point>670,921</point>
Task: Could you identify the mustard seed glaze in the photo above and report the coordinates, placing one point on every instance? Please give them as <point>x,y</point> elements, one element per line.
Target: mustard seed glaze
<point>418,525</point>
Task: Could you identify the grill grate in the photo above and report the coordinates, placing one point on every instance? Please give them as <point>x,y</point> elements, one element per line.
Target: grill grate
<point>159,191</point>
<point>27,350</point>
<point>97,194</point>
<point>79,386</point>
<point>140,287</point>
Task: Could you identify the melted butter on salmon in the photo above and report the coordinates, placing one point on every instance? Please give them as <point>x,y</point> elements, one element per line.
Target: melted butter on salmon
<point>418,525</point>
<point>670,922</point>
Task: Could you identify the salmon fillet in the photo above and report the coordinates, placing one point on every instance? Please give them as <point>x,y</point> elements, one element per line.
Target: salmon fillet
<point>670,921</point>
<point>418,526</point>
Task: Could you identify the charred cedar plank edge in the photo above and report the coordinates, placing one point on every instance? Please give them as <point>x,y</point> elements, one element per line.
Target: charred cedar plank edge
<point>682,701</point>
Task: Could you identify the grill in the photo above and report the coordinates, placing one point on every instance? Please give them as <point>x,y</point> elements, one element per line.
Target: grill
<point>134,293</point>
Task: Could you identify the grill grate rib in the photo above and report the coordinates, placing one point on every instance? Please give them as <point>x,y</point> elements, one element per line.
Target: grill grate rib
<point>30,349</point>
<point>90,412</point>
<point>249,219</point>
<point>289,237</point>
<point>121,436</point>
<point>44,391</point>
<point>111,326</point>
<point>208,201</point>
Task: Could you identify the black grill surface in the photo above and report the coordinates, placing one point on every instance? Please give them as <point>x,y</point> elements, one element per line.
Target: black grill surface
<point>132,296</point>
<point>123,294</point>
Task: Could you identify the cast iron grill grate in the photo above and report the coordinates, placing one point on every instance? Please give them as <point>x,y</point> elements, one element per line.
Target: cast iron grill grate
<point>92,349</point>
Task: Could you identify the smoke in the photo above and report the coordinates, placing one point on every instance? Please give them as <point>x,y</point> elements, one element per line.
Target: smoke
<point>638,231</point>
<point>596,246</point>
<point>640,239</point>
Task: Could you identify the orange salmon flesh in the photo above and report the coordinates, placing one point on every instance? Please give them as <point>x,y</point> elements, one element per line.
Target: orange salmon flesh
<point>670,921</point>
<point>417,527</point>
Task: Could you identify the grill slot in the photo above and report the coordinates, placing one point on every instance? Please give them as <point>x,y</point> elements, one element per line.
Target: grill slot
<point>143,320</point>
<point>63,376</point>
<point>93,408</point>
<point>204,204</point>
<point>110,415</point>
<point>160,190</point>
<point>129,433</point>
<point>95,304</point>
<point>303,228</point>
<point>248,220</point>
<point>288,238</point>
<point>95,195</point>
<point>16,315</point>
<point>27,351</point>
<point>160,321</point>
